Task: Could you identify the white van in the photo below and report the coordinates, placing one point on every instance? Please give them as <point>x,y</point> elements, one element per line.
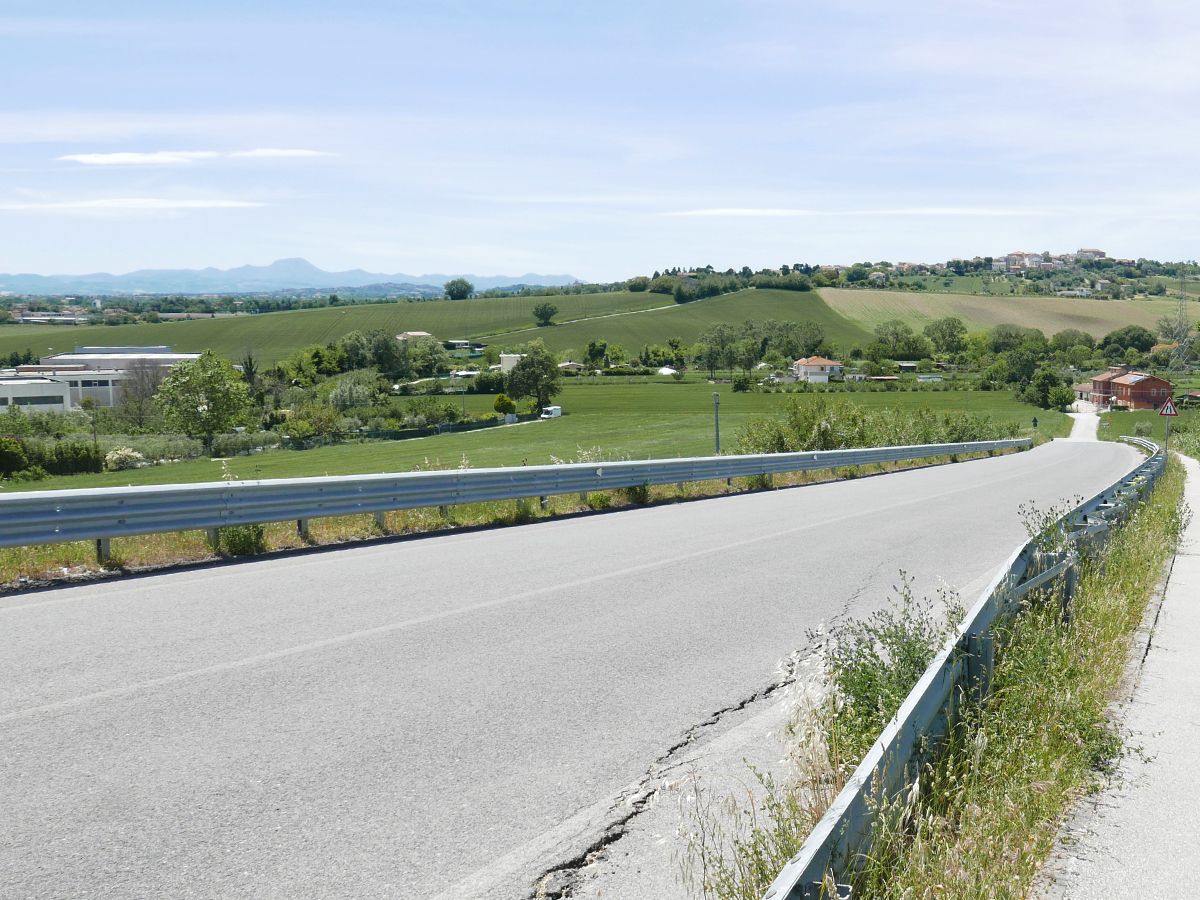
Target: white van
<point>551,412</point>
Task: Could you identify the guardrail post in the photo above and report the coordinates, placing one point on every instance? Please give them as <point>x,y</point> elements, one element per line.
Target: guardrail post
<point>303,530</point>
<point>544,503</point>
<point>103,550</point>
<point>214,538</point>
<point>444,512</point>
<point>583,497</point>
<point>381,520</point>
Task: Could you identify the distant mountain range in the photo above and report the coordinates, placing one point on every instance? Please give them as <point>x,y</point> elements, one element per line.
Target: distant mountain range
<point>281,275</point>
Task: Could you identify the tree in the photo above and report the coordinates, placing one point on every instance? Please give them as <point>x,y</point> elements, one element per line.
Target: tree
<point>1130,336</point>
<point>544,312</point>
<point>949,334</point>
<point>203,397</point>
<point>1072,337</point>
<point>595,353</point>
<point>536,375</point>
<point>637,284</point>
<point>458,289</point>
<point>1040,387</point>
<point>137,392</point>
<point>504,405</point>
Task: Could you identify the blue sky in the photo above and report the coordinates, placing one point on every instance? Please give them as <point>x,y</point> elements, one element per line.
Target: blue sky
<point>600,139</point>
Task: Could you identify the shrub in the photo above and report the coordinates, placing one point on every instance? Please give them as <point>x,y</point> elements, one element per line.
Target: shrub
<point>243,540</point>
<point>72,458</point>
<point>599,500</point>
<point>13,457</point>
<point>1142,429</point>
<point>741,383</point>
<point>637,493</point>
<point>123,458</point>
<point>33,473</point>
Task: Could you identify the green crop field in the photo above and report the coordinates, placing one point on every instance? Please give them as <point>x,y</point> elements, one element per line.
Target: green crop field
<point>625,318</point>
<point>275,335</point>
<point>634,421</point>
<point>1050,314</point>
<point>688,320</point>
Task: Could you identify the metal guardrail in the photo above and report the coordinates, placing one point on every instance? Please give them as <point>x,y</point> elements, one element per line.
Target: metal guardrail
<point>100,514</point>
<point>963,668</point>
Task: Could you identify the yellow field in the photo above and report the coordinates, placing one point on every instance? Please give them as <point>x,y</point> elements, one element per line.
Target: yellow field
<point>1050,314</point>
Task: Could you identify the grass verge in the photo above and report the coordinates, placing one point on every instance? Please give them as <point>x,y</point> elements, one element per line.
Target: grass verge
<point>986,811</point>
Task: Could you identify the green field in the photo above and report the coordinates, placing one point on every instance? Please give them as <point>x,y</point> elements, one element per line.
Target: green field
<point>629,319</point>
<point>635,421</point>
<point>275,335</point>
<point>687,321</point>
<point>1050,314</point>
<point>1115,424</point>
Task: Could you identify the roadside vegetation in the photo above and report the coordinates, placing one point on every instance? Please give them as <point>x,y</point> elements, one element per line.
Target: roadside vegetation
<point>988,807</point>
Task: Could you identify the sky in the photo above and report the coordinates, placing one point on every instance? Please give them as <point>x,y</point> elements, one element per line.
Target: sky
<point>600,139</point>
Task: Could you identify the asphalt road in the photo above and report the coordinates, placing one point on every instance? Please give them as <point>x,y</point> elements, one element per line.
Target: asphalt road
<point>406,718</point>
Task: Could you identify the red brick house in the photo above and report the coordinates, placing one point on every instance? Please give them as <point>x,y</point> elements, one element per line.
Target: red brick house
<point>1102,388</point>
<point>1137,390</point>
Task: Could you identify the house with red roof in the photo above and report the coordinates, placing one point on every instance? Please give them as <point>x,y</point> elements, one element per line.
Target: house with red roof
<point>816,369</point>
<point>1139,390</point>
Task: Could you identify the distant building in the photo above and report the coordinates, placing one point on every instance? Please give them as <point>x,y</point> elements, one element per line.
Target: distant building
<point>1139,390</point>
<point>508,361</point>
<point>103,386</point>
<point>412,335</point>
<point>33,392</point>
<point>816,369</point>
<point>1089,253</point>
<point>121,359</point>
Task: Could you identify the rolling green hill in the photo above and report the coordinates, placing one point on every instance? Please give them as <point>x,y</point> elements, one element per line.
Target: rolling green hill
<point>275,335</point>
<point>1050,314</point>
<point>625,318</point>
<point>629,319</point>
<point>688,320</point>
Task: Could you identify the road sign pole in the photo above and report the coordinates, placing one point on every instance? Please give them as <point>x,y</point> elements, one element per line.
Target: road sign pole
<point>1169,412</point>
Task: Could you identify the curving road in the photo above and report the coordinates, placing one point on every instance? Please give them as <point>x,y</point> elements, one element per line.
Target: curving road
<point>451,713</point>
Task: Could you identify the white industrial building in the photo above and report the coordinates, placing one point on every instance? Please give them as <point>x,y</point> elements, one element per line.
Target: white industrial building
<point>121,359</point>
<point>33,392</point>
<point>103,386</point>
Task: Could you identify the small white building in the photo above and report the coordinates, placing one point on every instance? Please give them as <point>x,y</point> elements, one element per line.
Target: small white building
<point>508,361</point>
<point>33,392</point>
<point>569,366</point>
<point>816,369</point>
<point>412,335</point>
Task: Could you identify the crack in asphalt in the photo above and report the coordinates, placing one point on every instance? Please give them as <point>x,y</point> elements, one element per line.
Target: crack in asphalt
<point>559,880</point>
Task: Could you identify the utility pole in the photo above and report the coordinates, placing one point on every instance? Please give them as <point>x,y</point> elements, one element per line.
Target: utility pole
<point>717,421</point>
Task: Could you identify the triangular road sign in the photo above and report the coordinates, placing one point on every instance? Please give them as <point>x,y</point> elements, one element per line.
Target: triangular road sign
<point>1168,408</point>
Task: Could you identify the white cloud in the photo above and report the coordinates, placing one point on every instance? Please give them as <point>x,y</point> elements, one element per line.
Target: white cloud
<point>185,157</point>
<point>784,212</point>
<point>278,153</point>
<point>155,158</point>
<point>125,204</point>
<point>732,212</point>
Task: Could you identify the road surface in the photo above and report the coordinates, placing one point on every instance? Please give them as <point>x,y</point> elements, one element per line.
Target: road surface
<point>443,714</point>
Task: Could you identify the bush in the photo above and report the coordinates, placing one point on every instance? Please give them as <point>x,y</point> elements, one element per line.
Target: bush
<point>72,458</point>
<point>13,457</point>
<point>123,458</point>
<point>1142,429</point>
<point>741,384</point>
<point>637,493</point>
<point>599,500</point>
<point>33,473</point>
<point>243,540</point>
